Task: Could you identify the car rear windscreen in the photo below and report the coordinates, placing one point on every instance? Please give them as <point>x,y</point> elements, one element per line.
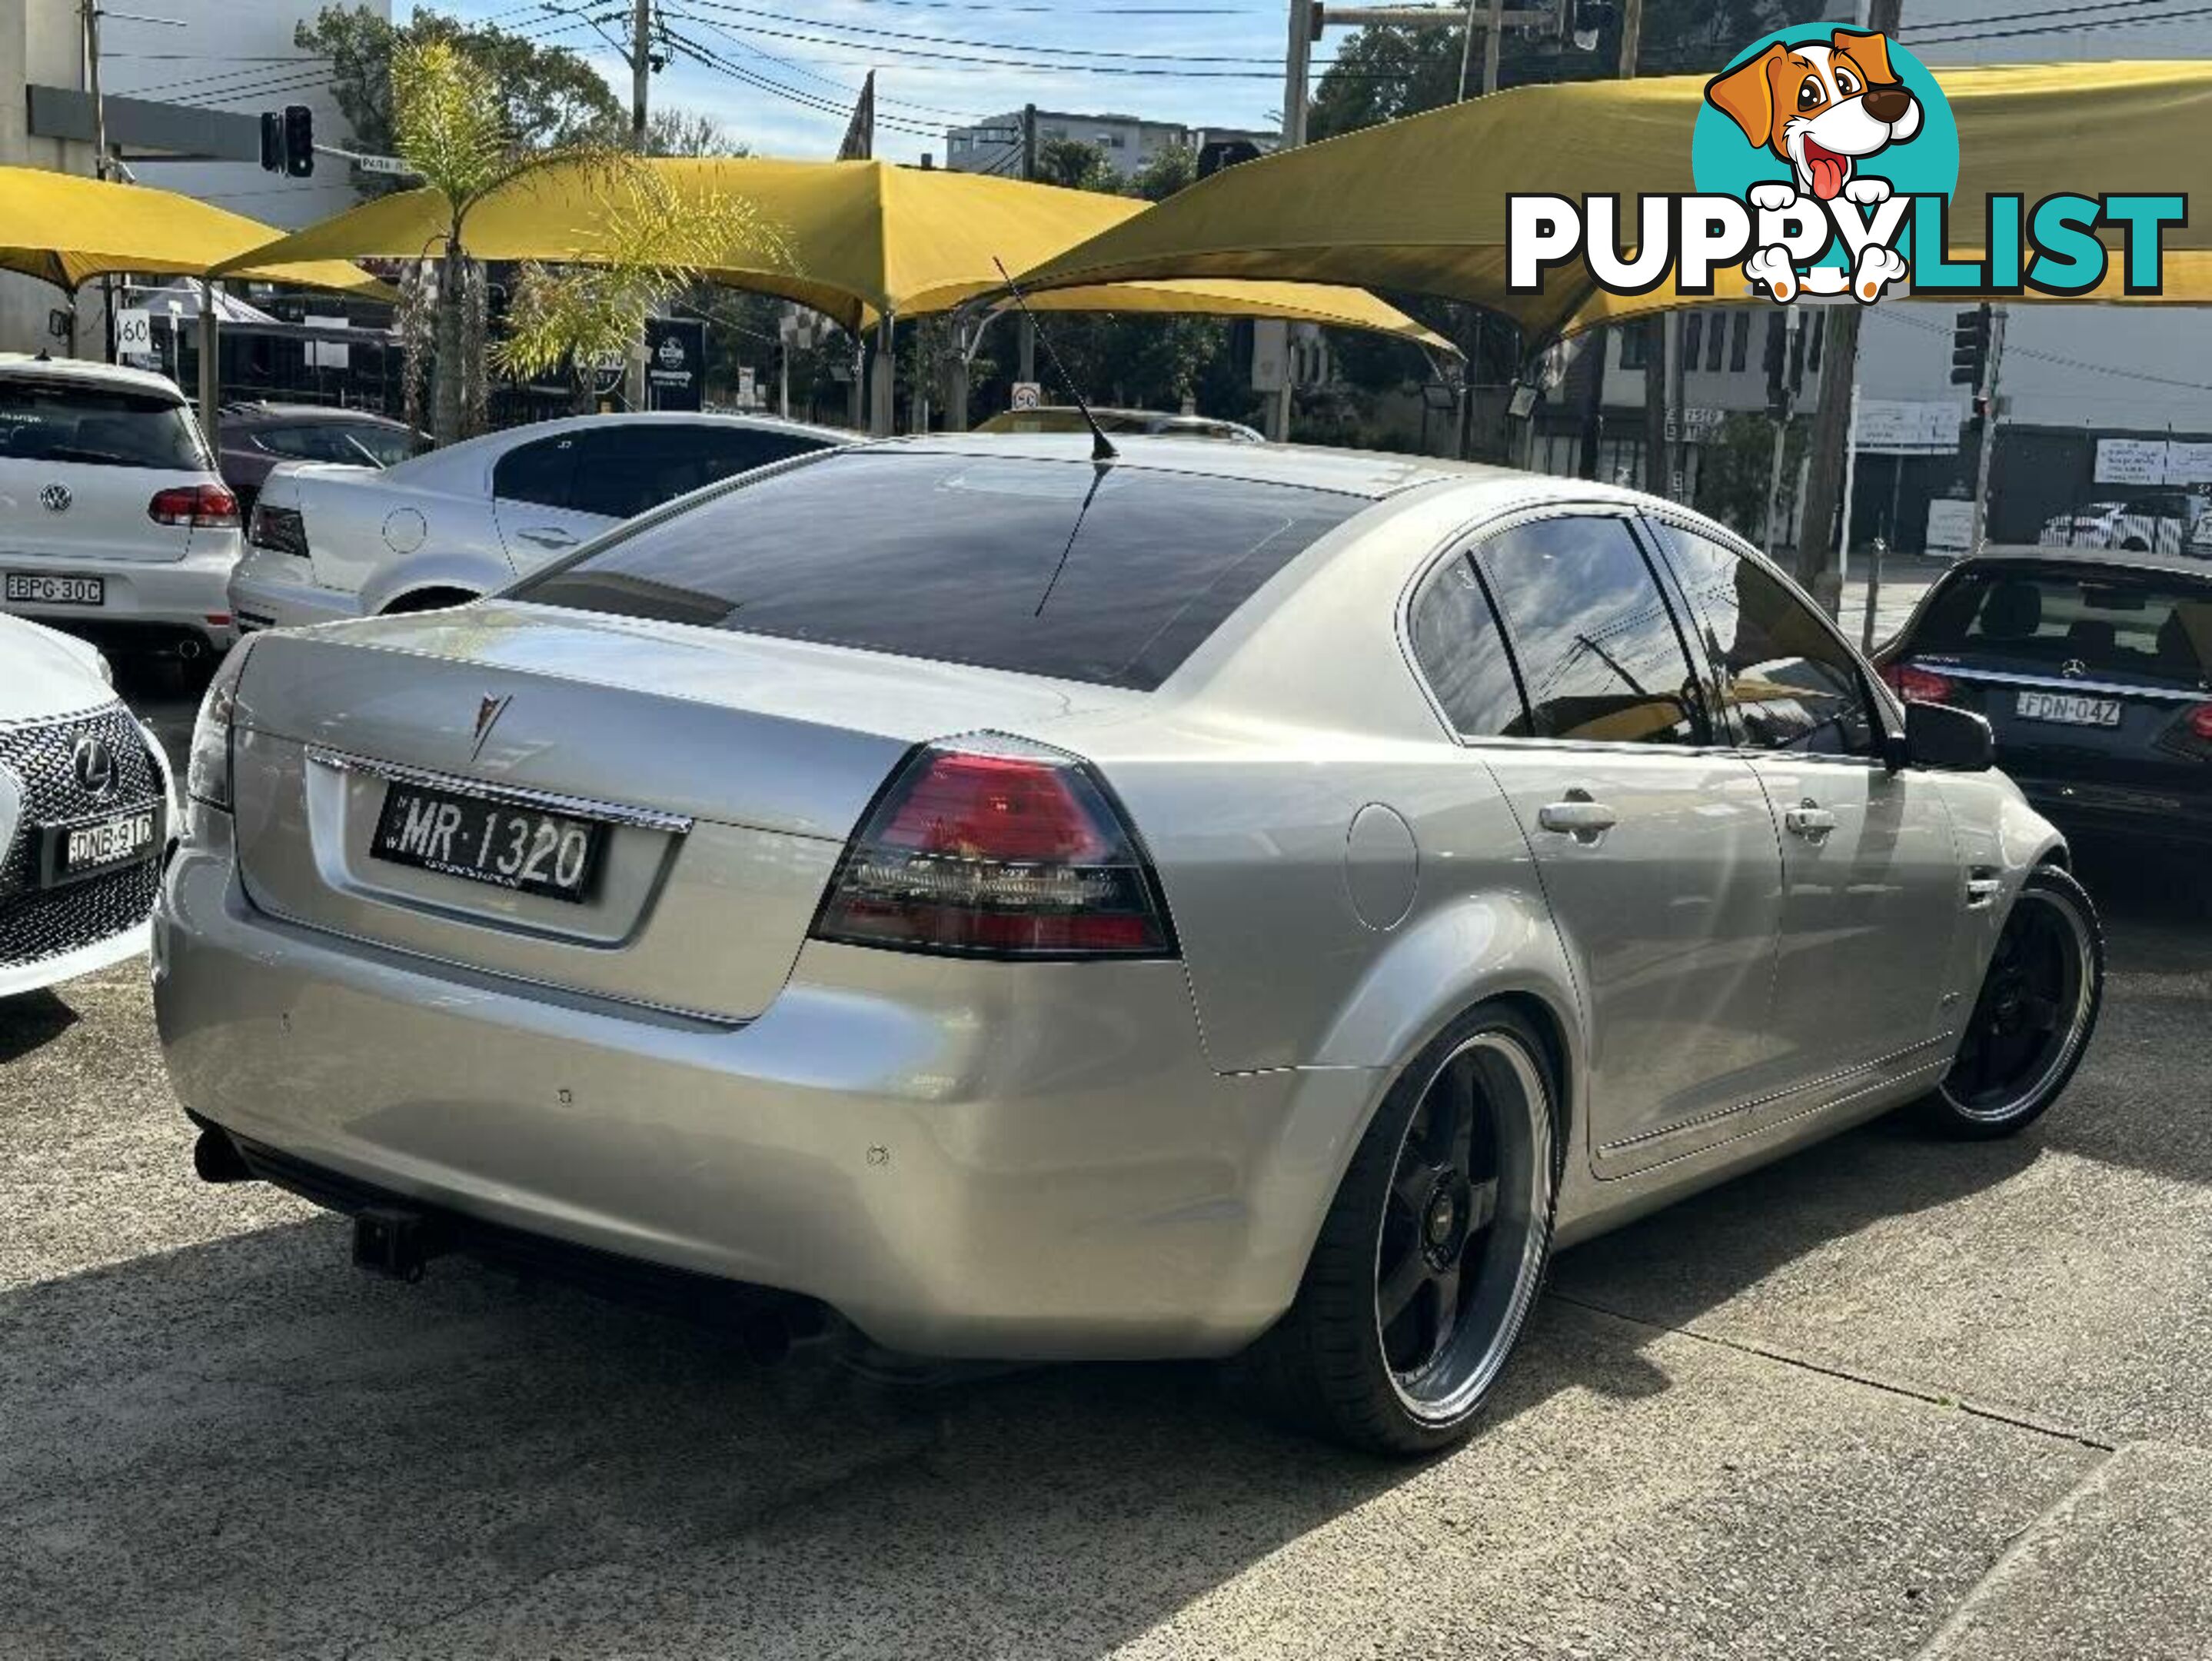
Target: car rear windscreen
<point>1109,574</point>
<point>2136,626</point>
<point>57,421</point>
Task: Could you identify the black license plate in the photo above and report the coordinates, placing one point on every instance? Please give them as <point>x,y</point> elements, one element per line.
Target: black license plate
<point>523,848</point>
<point>87,849</point>
<point>33,590</point>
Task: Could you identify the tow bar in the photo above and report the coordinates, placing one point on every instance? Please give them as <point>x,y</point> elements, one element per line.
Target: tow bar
<point>396,1244</point>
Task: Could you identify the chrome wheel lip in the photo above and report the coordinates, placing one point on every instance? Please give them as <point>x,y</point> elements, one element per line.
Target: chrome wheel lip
<point>2077,1029</point>
<point>1481,1370</point>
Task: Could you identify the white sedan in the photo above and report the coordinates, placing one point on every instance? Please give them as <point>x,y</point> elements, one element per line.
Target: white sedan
<point>328,541</point>
<point>85,812</point>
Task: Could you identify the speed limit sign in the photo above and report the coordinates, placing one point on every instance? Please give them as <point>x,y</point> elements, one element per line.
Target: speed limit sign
<point>1027,395</point>
<point>134,334</point>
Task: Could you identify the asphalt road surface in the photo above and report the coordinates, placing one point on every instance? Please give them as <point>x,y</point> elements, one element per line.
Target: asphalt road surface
<point>1894,1397</point>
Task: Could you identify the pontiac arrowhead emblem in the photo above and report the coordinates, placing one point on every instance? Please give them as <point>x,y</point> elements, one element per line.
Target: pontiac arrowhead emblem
<point>489,710</point>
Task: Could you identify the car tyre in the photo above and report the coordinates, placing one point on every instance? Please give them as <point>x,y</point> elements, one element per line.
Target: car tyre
<point>1431,1253</point>
<point>2033,1017</point>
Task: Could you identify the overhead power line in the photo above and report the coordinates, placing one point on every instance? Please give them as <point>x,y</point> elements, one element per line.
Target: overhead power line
<point>935,40</point>
<point>737,38</point>
<point>2134,20</point>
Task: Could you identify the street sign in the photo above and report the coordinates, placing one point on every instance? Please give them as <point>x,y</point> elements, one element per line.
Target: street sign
<point>390,165</point>
<point>607,371</point>
<point>2131,461</point>
<point>1027,395</point>
<point>675,362</point>
<point>1950,526</point>
<point>748,388</point>
<point>2188,462</point>
<point>1902,427</point>
<point>134,333</point>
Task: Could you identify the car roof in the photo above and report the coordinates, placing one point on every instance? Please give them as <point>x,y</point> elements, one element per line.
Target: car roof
<point>1374,474</point>
<point>2093,559</point>
<point>85,370</point>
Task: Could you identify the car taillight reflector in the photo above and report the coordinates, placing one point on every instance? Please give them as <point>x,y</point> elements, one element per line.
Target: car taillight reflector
<point>996,846</point>
<point>2200,721</point>
<point>197,505</point>
<point>1921,685</point>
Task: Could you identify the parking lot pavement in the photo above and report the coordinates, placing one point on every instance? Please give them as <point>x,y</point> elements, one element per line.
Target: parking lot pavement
<point>1891,1398</point>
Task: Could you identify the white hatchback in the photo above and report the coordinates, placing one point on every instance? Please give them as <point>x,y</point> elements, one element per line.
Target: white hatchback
<point>113,520</point>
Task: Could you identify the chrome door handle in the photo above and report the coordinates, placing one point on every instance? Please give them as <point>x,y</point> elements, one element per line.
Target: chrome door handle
<point>1578,816</point>
<point>1811,821</point>
<point>548,538</point>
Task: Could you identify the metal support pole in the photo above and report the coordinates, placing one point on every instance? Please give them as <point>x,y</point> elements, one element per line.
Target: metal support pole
<point>1493,43</point>
<point>1298,65</point>
<point>211,369</point>
<point>882,413</point>
<point>1988,458</point>
<point>1631,36</point>
<point>640,69</point>
<point>1678,447</point>
<point>1850,484</point>
<point>1880,547</point>
<point>856,393</point>
<point>1774,484</point>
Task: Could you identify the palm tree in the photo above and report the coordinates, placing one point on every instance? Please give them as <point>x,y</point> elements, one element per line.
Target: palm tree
<point>451,129</point>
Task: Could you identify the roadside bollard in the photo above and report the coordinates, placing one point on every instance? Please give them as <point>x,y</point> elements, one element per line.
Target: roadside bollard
<point>1873,592</point>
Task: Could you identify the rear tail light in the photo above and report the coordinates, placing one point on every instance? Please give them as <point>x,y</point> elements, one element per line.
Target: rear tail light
<point>279,530</point>
<point>996,846</point>
<point>1920,685</point>
<point>208,762</point>
<point>197,505</point>
<point>2200,721</point>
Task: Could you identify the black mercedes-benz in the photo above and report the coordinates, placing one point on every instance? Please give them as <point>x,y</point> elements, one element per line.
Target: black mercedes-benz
<point>2094,669</point>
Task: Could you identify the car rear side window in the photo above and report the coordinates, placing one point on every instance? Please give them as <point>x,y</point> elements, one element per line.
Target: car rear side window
<point>1782,678</point>
<point>1109,574</point>
<point>1596,644</point>
<point>2131,625</point>
<point>54,421</point>
<point>1462,656</point>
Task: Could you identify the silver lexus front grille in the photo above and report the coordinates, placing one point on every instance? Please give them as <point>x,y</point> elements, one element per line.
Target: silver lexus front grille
<point>37,924</point>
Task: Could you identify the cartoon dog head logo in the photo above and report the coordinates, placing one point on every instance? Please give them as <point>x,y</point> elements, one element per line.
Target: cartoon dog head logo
<point>1821,106</point>
<point>1817,110</point>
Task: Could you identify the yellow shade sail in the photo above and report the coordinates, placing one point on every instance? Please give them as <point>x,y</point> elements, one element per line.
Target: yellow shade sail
<point>1326,303</point>
<point>65,230</point>
<point>858,240</point>
<point>1419,206</point>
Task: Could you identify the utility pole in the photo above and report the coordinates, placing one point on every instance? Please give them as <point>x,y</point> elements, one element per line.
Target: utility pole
<point>1026,330</point>
<point>1819,565</point>
<point>1988,457</point>
<point>640,69</point>
<point>90,12</point>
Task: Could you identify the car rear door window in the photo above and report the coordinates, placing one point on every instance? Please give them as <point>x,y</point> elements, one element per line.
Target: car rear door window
<point>721,453</point>
<point>1109,574</point>
<point>1600,656</point>
<point>1463,655</point>
<point>1784,678</point>
<point>56,421</point>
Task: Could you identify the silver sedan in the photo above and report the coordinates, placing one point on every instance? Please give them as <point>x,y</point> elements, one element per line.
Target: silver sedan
<point>970,898</point>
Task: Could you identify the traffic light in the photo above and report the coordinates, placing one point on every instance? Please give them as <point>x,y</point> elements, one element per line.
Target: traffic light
<point>272,142</point>
<point>299,141</point>
<point>1970,346</point>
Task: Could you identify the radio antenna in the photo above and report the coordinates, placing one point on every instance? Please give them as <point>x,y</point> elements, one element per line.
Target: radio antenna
<point>1102,447</point>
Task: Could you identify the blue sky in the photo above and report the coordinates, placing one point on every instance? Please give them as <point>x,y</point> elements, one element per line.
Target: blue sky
<point>1202,63</point>
<point>821,49</point>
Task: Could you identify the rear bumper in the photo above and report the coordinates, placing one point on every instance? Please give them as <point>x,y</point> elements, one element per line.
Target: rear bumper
<point>148,604</point>
<point>270,590</point>
<point>975,1160</point>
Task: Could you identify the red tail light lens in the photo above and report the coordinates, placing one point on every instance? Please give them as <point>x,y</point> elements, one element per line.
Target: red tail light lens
<point>1921,685</point>
<point>197,505</point>
<point>2200,721</point>
<point>999,848</point>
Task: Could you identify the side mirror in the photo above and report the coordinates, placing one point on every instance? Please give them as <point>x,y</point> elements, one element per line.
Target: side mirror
<point>1954,740</point>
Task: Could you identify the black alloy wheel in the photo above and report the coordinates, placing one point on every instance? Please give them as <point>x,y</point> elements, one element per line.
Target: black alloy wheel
<point>2038,1007</point>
